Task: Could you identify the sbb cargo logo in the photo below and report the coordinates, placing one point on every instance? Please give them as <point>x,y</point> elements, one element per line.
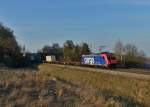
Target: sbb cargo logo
<point>89,61</point>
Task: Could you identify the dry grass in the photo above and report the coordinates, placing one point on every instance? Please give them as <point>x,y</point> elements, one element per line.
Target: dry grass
<point>54,86</point>
<point>128,92</point>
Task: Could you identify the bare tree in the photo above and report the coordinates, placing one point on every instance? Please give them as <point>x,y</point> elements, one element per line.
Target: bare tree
<point>76,52</point>
<point>134,57</point>
<point>84,49</point>
<point>129,54</point>
<point>119,48</point>
<point>68,50</point>
<point>119,51</point>
<point>131,50</point>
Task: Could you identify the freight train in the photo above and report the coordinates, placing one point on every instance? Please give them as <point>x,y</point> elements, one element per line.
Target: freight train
<point>103,59</point>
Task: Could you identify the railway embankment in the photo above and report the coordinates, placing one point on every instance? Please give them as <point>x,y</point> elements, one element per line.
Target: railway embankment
<point>132,72</point>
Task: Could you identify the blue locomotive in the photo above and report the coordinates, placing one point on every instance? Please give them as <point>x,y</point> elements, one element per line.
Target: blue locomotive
<point>103,59</point>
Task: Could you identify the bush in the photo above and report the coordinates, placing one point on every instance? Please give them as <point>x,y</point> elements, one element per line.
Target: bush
<point>9,48</point>
<point>129,55</point>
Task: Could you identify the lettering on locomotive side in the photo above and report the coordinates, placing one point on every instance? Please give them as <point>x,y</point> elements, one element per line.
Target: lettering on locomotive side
<point>89,61</point>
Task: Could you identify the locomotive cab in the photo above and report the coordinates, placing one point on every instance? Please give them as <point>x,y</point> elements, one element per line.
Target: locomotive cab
<point>110,59</point>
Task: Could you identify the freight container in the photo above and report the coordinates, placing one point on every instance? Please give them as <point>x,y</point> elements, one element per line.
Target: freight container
<point>50,58</point>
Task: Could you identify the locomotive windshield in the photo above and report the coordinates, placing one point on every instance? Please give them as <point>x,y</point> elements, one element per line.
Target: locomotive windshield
<point>111,57</point>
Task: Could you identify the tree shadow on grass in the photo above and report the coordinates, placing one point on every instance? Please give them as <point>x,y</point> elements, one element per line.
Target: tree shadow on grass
<point>66,82</point>
<point>32,66</point>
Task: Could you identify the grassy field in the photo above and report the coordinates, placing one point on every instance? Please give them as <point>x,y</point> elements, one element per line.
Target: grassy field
<point>53,86</point>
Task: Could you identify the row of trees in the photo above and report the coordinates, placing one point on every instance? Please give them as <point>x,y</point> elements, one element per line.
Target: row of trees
<point>129,55</point>
<point>73,52</point>
<point>69,51</point>
<point>11,53</point>
<point>55,49</point>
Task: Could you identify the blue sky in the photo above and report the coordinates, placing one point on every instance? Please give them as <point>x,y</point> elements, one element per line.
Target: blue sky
<point>98,22</point>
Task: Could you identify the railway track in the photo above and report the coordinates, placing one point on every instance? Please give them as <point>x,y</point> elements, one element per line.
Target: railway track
<point>133,73</point>
<point>145,71</point>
